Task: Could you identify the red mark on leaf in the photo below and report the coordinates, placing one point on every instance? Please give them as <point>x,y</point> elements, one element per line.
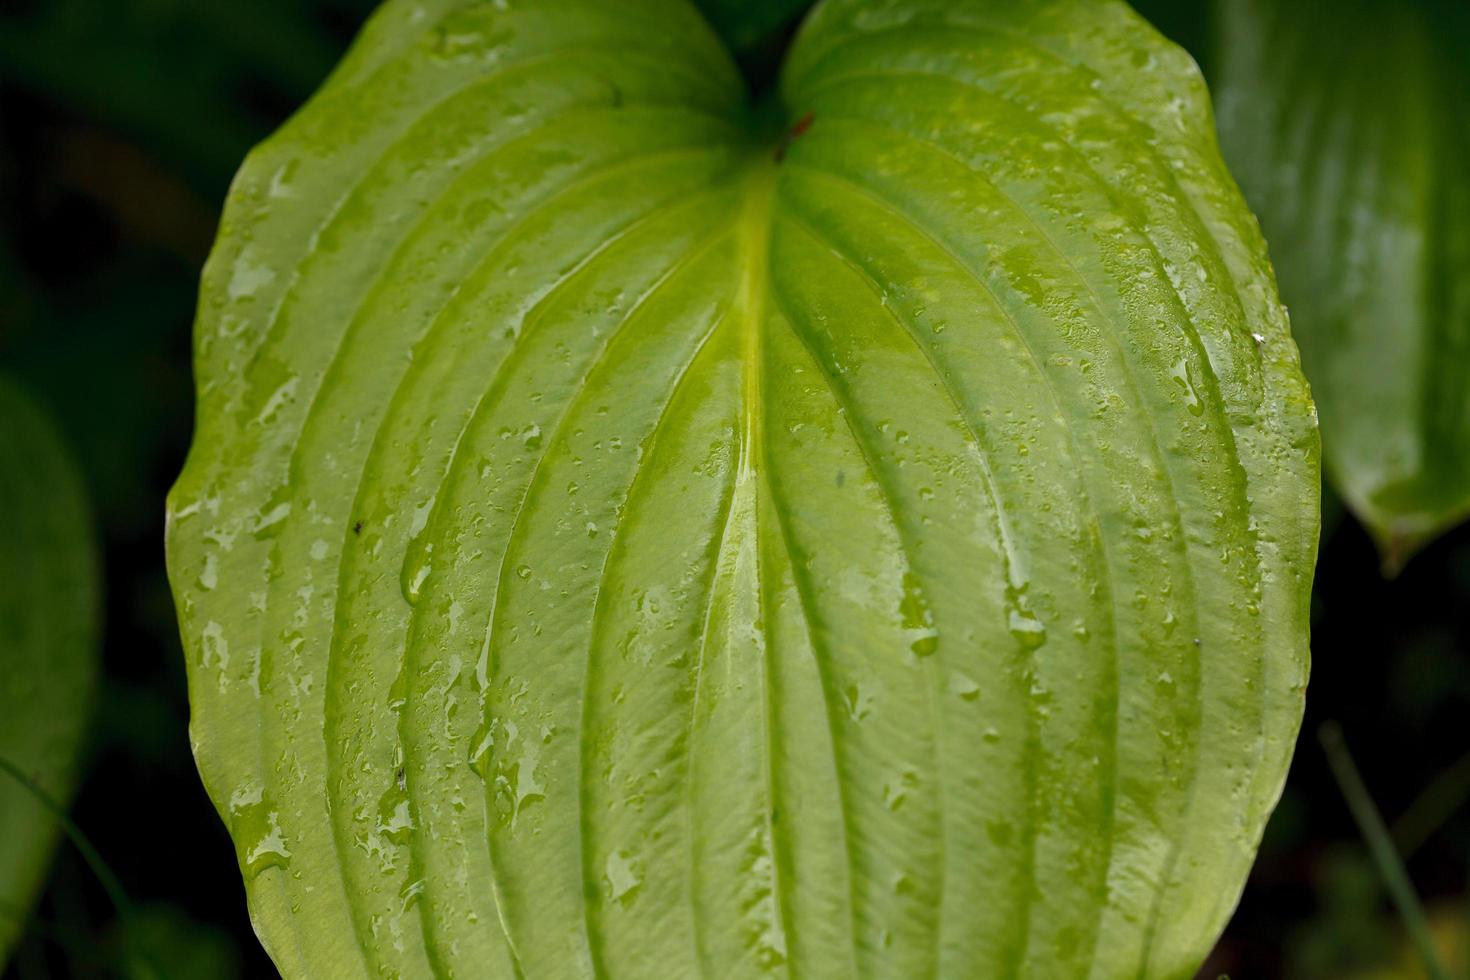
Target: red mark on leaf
<point>794,133</point>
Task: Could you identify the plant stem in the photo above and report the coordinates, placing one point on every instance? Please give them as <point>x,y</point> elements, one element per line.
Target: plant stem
<point>1380,846</point>
<point>105,877</point>
<point>1435,805</point>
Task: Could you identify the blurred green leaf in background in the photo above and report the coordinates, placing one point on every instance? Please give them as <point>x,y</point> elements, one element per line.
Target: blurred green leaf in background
<point>49,612</point>
<point>1348,127</point>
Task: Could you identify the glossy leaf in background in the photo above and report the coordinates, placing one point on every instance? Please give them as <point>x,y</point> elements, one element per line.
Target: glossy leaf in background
<point>48,644</point>
<point>631,533</point>
<point>1348,126</point>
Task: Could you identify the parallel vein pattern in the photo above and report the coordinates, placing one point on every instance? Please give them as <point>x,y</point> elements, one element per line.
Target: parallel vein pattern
<point>621,541</point>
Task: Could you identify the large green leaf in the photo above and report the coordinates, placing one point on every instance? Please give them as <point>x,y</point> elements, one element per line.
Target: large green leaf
<point>630,533</point>
<point>48,644</point>
<point>1349,127</point>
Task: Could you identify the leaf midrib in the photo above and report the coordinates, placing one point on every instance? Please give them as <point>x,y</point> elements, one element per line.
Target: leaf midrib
<point>754,237</point>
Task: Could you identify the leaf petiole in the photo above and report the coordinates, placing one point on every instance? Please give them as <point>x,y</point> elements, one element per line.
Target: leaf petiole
<point>94,861</point>
<point>1381,847</point>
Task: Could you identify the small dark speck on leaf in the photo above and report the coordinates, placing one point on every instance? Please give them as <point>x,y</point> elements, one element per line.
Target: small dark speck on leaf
<point>402,779</point>
<point>357,528</point>
<point>793,134</point>
<point>841,478</point>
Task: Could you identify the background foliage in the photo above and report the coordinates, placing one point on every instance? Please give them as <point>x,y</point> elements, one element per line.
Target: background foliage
<point>121,123</point>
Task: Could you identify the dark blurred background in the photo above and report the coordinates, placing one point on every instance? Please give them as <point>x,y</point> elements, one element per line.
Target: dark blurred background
<point>121,123</point>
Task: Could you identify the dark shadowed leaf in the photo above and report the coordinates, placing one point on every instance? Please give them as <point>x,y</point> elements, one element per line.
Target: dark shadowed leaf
<point>1348,125</point>
<point>48,639</point>
<point>185,76</point>
<point>631,533</point>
